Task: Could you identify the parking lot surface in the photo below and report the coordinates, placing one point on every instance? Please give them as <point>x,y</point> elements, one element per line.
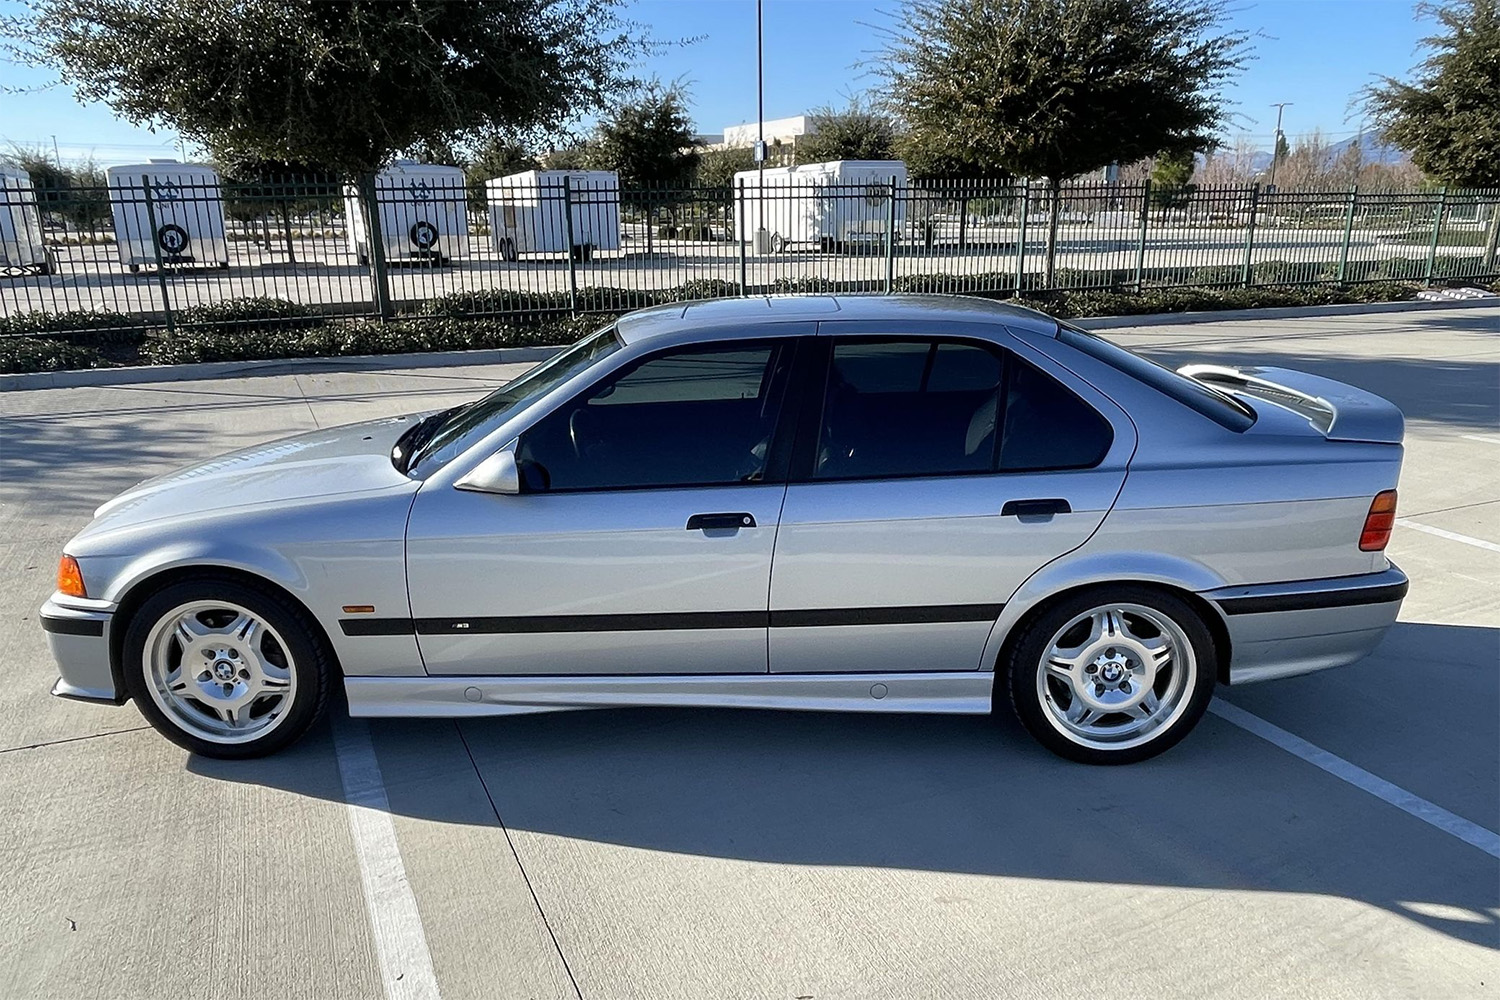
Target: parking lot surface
<point>671,853</point>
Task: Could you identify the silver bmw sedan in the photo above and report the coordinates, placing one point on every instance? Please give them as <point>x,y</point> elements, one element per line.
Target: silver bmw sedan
<point>892,504</point>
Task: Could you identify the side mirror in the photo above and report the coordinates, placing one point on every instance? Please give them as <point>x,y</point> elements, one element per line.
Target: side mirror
<point>496,474</point>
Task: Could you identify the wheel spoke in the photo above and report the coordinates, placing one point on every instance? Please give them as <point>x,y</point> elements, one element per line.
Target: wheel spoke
<point>1160,649</point>
<point>190,630</point>
<point>1061,666</point>
<point>1146,708</point>
<point>245,629</point>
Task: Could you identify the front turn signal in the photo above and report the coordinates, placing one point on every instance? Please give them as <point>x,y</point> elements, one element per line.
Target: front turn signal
<point>1379,522</point>
<point>70,578</point>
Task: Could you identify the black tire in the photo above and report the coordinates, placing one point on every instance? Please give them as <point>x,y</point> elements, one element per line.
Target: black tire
<point>1027,660</point>
<point>306,648</point>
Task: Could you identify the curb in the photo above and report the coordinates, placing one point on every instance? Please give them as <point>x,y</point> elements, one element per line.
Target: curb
<point>519,355</point>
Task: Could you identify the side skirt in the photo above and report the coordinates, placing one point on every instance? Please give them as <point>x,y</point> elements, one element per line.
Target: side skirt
<point>964,693</point>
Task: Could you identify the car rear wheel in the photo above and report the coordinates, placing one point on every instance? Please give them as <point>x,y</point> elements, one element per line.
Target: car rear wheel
<point>1113,675</point>
<point>224,669</point>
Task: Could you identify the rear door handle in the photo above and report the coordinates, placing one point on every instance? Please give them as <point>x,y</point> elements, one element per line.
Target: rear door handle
<point>1024,508</point>
<point>706,522</point>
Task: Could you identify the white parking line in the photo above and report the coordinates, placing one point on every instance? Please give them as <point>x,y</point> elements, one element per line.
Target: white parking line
<point>1452,536</point>
<point>1486,438</point>
<point>400,942</point>
<point>1428,812</point>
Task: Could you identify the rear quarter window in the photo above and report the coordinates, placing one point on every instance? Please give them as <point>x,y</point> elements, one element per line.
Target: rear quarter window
<point>1219,407</point>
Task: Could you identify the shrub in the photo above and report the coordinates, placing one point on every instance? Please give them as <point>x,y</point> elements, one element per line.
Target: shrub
<point>702,288</point>
<point>249,314</point>
<point>102,326</point>
<point>33,354</point>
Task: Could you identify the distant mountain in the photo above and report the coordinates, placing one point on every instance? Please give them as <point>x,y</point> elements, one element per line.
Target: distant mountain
<point>1371,149</point>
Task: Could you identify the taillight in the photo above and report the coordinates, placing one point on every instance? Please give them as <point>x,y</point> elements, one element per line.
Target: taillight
<point>1379,522</point>
<point>70,578</point>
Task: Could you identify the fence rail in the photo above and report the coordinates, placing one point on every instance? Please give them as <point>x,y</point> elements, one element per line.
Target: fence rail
<point>167,254</point>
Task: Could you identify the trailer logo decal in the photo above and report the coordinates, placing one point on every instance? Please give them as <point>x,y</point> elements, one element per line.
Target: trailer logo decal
<point>423,235</point>
<point>172,239</point>
<point>420,191</point>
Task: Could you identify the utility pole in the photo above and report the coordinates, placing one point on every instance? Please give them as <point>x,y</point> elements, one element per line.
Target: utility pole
<point>56,156</point>
<point>1276,142</point>
<point>762,239</point>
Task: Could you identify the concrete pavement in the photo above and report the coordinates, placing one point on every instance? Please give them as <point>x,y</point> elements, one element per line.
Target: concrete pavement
<point>662,853</point>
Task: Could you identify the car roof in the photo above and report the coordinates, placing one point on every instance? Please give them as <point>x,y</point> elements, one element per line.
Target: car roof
<point>760,310</point>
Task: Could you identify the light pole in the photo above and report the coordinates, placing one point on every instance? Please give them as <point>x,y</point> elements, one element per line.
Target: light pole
<point>762,239</point>
<point>1276,142</point>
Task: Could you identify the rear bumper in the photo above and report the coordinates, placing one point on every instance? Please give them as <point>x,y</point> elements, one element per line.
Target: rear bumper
<point>79,639</point>
<point>1285,629</point>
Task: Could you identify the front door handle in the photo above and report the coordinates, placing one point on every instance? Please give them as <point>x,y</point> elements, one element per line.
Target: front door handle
<point>1034,508</point>
<point>706,522</point>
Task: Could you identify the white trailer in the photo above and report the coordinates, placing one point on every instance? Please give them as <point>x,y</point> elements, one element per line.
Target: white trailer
<point>424,214</point>
<point>529,212</point>
<point>21,244</point>
<point>176,209</point>
<point>840,205</point>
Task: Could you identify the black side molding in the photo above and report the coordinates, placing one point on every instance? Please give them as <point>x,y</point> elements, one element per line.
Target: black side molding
<point>1313,600</point>
<point>73,626</point>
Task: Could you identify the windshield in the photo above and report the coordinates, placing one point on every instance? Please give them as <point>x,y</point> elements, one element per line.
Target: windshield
<point>462,426</point>
<point>1213,404</point>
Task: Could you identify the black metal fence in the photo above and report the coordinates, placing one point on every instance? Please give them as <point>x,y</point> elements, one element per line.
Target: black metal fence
<point>167,250</point>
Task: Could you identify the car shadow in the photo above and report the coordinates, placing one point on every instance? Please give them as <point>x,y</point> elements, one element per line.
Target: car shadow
<point>1223,811</point>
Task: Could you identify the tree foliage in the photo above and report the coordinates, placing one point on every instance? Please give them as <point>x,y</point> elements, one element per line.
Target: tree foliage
<point>1056,88</point>
<point>495,156</point>
<point>1448,116</point>
<point>73,193</point>
<point>648,138</point>
<point>717,167</point>
<point>856,132</point>
<point>341,83</point>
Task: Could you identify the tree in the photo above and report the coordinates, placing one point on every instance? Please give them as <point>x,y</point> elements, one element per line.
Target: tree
<point>1056,88</point>
<point>857,132</point>
<point>343,84</point>
<point>1170,174</point>
<point>647,137</point>
<point>1448,117</point>
<point>75,194</point>
<point>717,167</point>
<point>493,157</point>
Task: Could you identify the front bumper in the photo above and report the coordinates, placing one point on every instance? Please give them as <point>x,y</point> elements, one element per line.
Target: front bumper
<point>79,636</point>
<point>1285,629</point>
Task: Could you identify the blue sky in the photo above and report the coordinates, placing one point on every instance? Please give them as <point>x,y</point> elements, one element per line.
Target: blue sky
<point>1315,53</point>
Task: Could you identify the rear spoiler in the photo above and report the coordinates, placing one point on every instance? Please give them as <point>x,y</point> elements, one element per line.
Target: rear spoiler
<point>1340,411</point>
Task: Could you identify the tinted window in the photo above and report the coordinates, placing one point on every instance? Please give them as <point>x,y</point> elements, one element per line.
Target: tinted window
<point>908,408</point>
<point>1210,402</point>
<point>466,425</point>
<point>1047,426</point>
<point>693,417</point>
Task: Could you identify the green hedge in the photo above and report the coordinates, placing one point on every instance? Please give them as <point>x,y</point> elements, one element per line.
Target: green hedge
<point>34,354</point>
<point>432,333</point>
<point>80,326</point>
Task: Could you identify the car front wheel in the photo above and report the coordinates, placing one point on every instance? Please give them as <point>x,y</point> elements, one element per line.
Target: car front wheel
<point>224,669</point>
<point>1113,675</point>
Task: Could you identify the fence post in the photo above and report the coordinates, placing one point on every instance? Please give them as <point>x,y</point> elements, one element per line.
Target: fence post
<point>1348,234</point>
<point>1247,269</point>
<point>1140,246</point>
<point>739,231</point>
<point>572,252</point>
<point>1021,240</point>
<point>380,279</point>
<point>161,271</point>
<point>1492,235</point>
<point>1437,232</point>
<point>890,238</point>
